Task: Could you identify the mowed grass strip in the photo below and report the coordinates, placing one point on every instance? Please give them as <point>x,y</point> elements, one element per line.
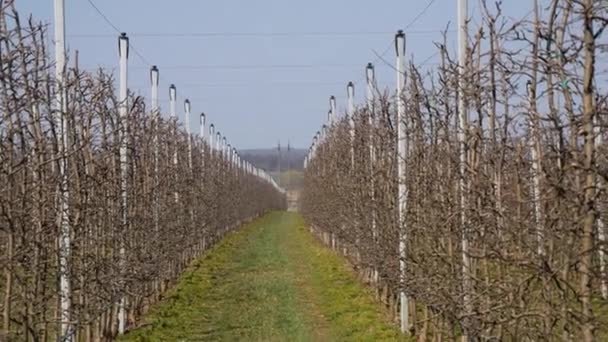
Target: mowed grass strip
<point>270,281</point>
<point>240,291</point>
<point>347,306</point>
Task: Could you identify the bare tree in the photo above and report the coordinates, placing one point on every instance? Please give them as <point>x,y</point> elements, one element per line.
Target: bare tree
<point>533,182</point>
<point>108,260</point>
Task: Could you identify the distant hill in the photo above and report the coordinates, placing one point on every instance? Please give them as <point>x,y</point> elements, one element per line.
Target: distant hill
<point>268,158</point>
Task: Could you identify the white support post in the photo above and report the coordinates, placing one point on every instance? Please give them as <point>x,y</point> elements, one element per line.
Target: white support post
<point>350,90</point>
<point>229,155</point>
<point>202,134</point>
<point>224,145</point>
<point>370,78</point>
<point>155,80</point>
<point>332,110</point>
<point>173,116</point>
<point>211,141</point>
<point>123,43</point>
<point>238,162</point>
<point>187,114</point>
<point>155,113</point>
<point>401,173</point>
<point>318,148</point>
<point>371,88</point>
<point>173,102</point>
<point>218,142</point>
<point>463,117</point>
<point>601,233</point>
<point>202,126</point>
<point>315,143</point>
<point>371,85</point>
<point>535,169</point>
<point>187,110</point>
<point>66,330</point>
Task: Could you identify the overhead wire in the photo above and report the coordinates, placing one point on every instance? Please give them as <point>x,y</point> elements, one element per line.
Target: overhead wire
<point>259,84</point>
<point>260,66</point>
<point>250,34</point>
<point>426,8</point>
<point>111,24</point>
<point>391,44</point>
<point>412,22</point>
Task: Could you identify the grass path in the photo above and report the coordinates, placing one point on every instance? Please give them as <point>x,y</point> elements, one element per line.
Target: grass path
<point>271,281</point>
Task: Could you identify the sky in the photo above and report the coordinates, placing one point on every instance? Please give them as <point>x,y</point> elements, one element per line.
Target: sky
<point>262,71</point>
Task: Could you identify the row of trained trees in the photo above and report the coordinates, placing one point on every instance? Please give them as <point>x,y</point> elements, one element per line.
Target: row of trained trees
<point>531,215</point>
<point>176,209</point>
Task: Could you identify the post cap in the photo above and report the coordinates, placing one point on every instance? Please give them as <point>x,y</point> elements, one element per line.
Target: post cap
<point>400,40</point>
<point>123,38</point>
<point>154,75</point>
<point>369,72</point>
<point>350,88</point>
<point>172,92</point>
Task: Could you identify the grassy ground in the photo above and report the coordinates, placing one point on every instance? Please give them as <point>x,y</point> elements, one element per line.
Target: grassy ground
<point>290,179</point>
<point>271,281</point>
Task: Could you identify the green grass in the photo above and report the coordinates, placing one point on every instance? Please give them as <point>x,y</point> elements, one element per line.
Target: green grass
<point>347,306</point>
<point>270,281</point>
<point>290,179</point>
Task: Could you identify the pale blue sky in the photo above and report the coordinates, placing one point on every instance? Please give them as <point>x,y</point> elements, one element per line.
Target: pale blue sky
<point>255,83</point>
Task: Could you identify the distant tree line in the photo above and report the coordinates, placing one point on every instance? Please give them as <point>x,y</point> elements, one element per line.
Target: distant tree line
<point>268,159</point>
